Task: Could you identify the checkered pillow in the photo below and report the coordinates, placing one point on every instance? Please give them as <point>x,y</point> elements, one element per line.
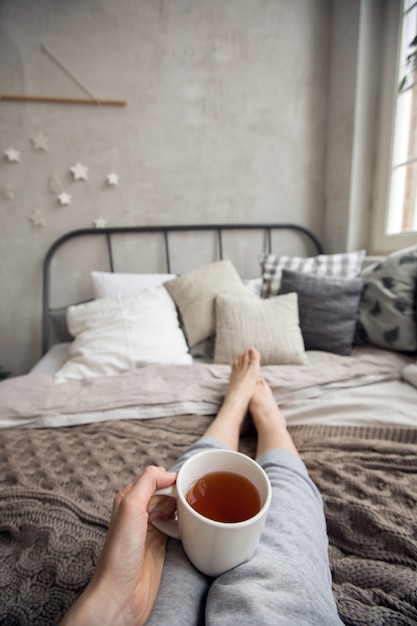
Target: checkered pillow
<point>342,265</point>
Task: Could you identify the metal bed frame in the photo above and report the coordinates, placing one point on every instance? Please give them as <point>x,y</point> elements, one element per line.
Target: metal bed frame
<point>108,232</point>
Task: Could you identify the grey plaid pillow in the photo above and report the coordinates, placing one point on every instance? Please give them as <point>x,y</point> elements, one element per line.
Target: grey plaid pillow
<point>341,265</point>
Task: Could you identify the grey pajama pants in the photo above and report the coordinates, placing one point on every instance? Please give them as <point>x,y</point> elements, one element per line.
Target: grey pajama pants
<point>286,582</point>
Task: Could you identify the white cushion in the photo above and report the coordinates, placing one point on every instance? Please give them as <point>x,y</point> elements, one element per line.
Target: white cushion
<point>119,333</point>
<point>107,284</point>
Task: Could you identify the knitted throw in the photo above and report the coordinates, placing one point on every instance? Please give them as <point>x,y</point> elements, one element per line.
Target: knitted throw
<point>57,488</point>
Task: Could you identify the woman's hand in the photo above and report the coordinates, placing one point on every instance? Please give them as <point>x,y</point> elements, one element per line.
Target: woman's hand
<point>125,583</point>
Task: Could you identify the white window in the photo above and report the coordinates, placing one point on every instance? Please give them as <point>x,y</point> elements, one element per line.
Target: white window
<point>402,209</point>
<point>395,201</point>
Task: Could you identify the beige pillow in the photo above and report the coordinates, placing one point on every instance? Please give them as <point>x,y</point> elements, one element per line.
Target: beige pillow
<point>271,326</point>
<point>195,293</point>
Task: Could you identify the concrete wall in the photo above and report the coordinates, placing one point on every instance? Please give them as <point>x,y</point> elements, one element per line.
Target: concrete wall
<point>226,120</point>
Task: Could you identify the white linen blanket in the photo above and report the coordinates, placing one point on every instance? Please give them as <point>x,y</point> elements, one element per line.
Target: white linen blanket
<point>410,374</point>
<point>37,401</point>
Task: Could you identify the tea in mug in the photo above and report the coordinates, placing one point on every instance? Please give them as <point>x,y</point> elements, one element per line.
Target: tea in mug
<point>224,497</point>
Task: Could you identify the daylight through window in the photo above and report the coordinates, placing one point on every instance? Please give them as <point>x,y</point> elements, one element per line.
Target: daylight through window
<point>402,216</point>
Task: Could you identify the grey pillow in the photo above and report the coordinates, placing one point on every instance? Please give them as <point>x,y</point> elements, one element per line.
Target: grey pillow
<point>328,309</point>
<point>387,312</point>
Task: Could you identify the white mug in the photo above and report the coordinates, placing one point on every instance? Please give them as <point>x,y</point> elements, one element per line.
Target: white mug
<point>216,547</point>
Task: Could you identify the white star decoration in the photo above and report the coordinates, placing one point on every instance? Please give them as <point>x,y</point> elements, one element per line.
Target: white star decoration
<point>54,185</point>
<point>113,179</point>
<point>64,198</point>
<point>7,192</point>
<point>100,222</point>
<point>39,141</point>
<point>79,171</point>
<point>37,218</point>
<point>12,155</point>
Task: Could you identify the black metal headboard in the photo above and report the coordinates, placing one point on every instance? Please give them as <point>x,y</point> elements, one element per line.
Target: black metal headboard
<point>165,231</point>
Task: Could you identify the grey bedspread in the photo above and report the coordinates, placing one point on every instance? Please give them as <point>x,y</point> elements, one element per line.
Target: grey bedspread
<point>57,487</point>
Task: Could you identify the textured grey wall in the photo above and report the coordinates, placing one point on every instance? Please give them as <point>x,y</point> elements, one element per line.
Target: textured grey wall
<point>226,120</point>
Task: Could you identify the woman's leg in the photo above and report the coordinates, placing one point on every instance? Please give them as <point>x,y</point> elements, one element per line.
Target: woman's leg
<point>183,590</point>
<point>288,579</point>
<point>243,380</point>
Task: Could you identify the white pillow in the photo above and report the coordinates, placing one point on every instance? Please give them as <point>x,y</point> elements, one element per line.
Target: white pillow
<point>107,284</point>
<point>409,374</point>
<point>271,326</point>
<point>119,333</point>
<point>253,286</point>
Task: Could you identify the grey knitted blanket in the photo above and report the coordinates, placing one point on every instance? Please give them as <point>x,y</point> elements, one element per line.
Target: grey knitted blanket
<point>57,487</point>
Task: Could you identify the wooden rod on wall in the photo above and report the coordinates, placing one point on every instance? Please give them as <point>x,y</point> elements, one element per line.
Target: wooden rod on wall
<point>62,100</point>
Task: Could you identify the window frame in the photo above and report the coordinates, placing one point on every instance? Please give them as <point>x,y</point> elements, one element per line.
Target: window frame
<point>379,241</point>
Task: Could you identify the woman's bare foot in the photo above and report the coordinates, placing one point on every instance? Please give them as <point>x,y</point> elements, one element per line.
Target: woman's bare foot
<point>243,378</point>
<point>244,374</point>
<point>269,421</point>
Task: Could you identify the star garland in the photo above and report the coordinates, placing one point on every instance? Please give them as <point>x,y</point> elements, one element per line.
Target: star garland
<point>37,218</point>
<point>79,172</point>
<point>100,222</point>
<point>12,155</point>
<point>40,141</point>
<point>64,198</point>
<point>112,179</point>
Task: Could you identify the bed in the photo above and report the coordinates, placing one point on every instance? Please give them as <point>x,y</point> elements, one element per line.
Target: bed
<point>135,363</point>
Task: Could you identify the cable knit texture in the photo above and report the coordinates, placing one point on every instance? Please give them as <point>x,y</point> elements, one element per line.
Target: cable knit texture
<point>57,488</point>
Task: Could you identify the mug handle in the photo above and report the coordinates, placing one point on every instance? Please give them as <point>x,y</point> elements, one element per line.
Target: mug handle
<point>168,526</point>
